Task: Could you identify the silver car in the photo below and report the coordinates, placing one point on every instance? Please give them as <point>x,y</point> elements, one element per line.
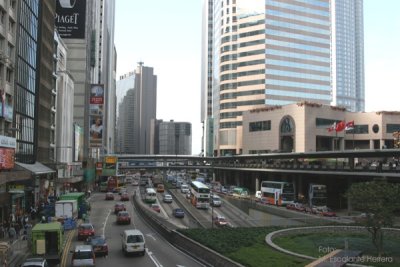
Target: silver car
<point>167,198</point>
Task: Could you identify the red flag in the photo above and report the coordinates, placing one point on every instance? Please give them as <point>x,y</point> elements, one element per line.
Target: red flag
<point>349,125</point>
<point>340,126</point>
<point>332,127</point>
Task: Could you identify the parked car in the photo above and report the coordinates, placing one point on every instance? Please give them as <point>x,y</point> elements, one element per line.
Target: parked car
<point>123,217</point>
<point>156,207</point>
<point>167,198</point>
<point>35,262</point>
<point>220,221</point>
<point>178,213</point>
<point>85,230</point>
<point>299,207</point>
<point>124,197</point>
<point>109,196</point>
<point>328,212</point>
<point>119,207</point>
<point>83,255</point>
<point>99,245</point>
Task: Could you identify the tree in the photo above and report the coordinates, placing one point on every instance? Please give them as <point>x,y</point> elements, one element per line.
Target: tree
<point>378,200</point>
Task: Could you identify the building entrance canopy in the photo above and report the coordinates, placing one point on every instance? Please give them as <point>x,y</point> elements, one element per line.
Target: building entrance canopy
<point>37,168</point>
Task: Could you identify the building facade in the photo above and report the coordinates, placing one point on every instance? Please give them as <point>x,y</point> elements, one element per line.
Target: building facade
<point>348,52</point>
<point>175,138</point>
<point>308,127</point>
<point>272,53</point>
<point>124,142</point>
<point>137,110</point>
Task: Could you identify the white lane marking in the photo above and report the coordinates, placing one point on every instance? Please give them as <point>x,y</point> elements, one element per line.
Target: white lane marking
<point>153,258</point>
<point>151,235</point>
<point>105,222</point>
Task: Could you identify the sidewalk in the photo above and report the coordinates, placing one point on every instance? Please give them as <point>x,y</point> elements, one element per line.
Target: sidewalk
<point>17,252</point>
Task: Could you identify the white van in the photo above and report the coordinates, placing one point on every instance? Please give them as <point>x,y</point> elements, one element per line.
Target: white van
<point>133,242</point>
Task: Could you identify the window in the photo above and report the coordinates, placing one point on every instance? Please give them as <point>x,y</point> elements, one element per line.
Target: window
<point>259,126</point>
<point>9,75</point>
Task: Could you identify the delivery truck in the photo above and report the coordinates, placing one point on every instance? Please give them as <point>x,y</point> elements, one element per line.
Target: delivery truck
<point>48,241</point>
<point>66,209</point>
<point>80,197</point>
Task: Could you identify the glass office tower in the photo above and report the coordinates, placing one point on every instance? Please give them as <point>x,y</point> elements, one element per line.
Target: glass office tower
<point>269,53</point>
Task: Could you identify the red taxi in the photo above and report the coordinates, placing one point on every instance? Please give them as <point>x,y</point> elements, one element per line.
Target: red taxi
<point>123,217</point>
<point>85,230</point>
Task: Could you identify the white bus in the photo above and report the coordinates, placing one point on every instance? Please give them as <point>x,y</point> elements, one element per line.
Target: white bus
<point>277,193</point>
<point>150,196</point>
<point>200,195</point>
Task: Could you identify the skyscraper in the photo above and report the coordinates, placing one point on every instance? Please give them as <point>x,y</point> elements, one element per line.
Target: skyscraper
<point>136,111</point>
<point>175,138</point>
<point>348,52</point>
<point>273,52</point>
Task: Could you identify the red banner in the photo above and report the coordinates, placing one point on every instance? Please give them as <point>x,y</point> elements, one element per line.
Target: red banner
<point>7,158</point>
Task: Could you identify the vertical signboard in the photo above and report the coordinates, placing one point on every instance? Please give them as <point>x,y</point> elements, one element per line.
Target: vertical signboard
<point>96,105</point>
<point>70,18</point>
<point>110,165</point>
<point>7,152</point>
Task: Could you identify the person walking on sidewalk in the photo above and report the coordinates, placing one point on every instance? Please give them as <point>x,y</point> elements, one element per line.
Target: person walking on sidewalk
<point>12,234</point>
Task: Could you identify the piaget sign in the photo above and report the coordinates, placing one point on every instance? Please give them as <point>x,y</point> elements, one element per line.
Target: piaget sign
<point>70,18</point>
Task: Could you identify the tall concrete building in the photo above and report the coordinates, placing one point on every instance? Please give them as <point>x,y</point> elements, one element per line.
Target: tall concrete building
<point>92,61</point>
<point>136,111</point>
<point>175,138</point>
<point>272,52</point>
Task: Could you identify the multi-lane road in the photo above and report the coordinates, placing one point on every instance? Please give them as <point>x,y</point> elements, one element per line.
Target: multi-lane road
<point>159,252</point>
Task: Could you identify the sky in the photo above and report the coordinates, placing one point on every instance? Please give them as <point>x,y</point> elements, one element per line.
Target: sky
<point>166,35</point>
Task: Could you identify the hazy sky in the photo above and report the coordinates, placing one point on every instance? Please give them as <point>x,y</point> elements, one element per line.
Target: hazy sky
<point>166,35</point>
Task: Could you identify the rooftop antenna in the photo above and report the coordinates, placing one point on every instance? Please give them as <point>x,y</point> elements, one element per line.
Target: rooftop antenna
<point>140,63</point>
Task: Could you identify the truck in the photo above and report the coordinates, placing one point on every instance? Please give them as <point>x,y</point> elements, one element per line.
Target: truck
<point>66,209</point>
<point>80,197</point>
<point>48,241</point>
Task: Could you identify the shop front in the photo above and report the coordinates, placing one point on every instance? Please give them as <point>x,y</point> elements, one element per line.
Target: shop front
<point>43,182</point>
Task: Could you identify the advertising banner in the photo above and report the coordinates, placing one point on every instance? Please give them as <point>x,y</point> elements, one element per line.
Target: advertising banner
<point>7,158</point>
<point>70,18</point>
<point>96,112</point>
<point>110,165</point>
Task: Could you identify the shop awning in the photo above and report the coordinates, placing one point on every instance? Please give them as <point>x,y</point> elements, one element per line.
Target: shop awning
<point>36,168</point>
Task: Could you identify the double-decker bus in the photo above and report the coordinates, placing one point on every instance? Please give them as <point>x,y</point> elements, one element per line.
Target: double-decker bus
<point>150,195</point>
<point>317,195</point>
<point>277,193</point>
<point>200,195</point>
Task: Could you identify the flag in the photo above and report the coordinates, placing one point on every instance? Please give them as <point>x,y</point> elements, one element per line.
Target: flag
<point>332,128</point>
<point>349,126</point>
<point>340,126</point>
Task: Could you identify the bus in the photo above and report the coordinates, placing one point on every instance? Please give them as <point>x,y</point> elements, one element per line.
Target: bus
<point>277,193</point>
<point>317,195</point>
<point>150,196</point>
<point>103,187</point>
<point>200,195</point>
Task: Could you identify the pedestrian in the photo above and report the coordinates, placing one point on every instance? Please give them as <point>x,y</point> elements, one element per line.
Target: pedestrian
<point>12,233</point>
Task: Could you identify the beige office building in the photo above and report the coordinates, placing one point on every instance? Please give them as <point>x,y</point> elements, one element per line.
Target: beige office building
<point>307,127</point>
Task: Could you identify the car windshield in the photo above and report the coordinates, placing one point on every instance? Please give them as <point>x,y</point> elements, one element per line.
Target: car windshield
<point>85,227</point>
<point>123,214</point>
<point>134,239</point>
<point>81,255</point>
<point>97,241</point>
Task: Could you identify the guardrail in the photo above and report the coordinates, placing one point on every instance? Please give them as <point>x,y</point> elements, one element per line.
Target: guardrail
<point>196,250</point>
